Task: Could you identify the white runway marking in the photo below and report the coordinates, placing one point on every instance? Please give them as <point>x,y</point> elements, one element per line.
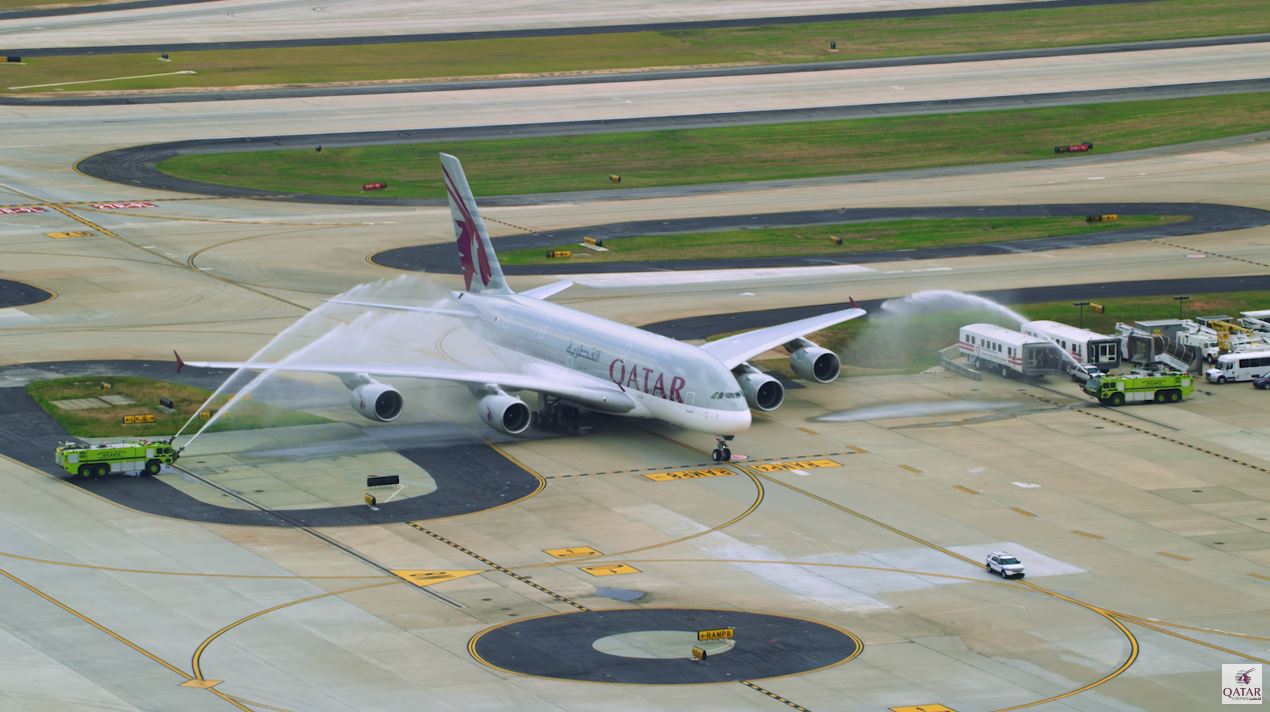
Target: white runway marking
<point>652,279</point>
<point>110,79</point>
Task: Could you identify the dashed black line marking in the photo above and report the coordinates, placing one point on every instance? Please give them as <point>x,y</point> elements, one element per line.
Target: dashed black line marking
<point>774,696</point>
<point>498,567</point>
<point>1166,438</point>
<point>511,225</point>
<point>1210,253</point>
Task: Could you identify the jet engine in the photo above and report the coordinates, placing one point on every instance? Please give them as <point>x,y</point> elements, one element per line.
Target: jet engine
<point>505,413</point>
<point>761,390</point>
<point>377,401</point>
<point>814,363</point>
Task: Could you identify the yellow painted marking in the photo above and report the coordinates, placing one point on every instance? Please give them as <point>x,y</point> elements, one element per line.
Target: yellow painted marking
<point>809,431</point>
<point>66,235</point>
<point>201,684</point>
<point>716,634</point>
<point>795,465</point>
<point>689,474</point>
<point>1024,512</point>
<point>965,489</point>
<point>911,469</point>
<point>924,708</point>
<point>1179,557</point>
<point>572,552</point>
<point>1089,535</point>
<point>1259,576</point>
<point>429,577</point>
<point>858,450</point>
<point>610,569</point>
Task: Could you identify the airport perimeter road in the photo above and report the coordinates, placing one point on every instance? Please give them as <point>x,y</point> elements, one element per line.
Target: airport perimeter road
<point>235,20</point>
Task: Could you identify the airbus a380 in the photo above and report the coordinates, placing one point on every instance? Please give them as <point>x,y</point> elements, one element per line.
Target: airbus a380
<point>574,359</point>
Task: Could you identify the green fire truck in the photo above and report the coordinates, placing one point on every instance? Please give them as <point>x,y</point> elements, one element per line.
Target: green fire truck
<point>1141,387</point>
<point>139,458</point>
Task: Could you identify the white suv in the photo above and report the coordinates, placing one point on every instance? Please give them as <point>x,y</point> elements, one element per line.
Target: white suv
<point>1006,565</point>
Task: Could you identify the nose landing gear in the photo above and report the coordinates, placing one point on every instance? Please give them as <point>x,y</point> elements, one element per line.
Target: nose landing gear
<point>721,452</point>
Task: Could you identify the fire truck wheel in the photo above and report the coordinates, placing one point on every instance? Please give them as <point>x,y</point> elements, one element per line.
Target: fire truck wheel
<point>103,469</point>
<point>153,467</point>
<point>85,471</point>
<point>1175,396</point>
<point>1117,399</point>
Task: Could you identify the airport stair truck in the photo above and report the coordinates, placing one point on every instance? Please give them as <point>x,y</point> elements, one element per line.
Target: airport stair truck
<point>1137,387</point>
<point>139,458</point>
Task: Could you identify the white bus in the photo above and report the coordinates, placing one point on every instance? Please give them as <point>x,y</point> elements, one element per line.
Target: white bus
<point>1084,345</point>
<point>1242,366</point>
<point>996,348</point>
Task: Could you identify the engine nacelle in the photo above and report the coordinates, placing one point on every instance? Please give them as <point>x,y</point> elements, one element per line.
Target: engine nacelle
<point>761,390</point>
<point>504,413</point>
<point>815,363</point>
<point>377,401</point>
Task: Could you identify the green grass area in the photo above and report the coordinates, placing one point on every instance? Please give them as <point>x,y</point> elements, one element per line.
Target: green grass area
<point>871,236</point>
<point>776,44</point>
<point>108,421</point>
<point>884,343</point>
<point>737,153</point>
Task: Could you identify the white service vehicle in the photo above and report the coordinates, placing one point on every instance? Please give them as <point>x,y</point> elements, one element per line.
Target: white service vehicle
<point>996,348</point>
<point>1084,345</point>
<point>1004,564</point>
<point>1242,366</point>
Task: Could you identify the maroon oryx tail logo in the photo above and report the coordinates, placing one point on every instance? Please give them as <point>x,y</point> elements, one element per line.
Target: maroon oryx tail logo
<point>1243,677</point>
<point>465,229</point>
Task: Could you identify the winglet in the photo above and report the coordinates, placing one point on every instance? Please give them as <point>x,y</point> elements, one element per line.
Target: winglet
<point>854,304</point>
<point>180,363</point>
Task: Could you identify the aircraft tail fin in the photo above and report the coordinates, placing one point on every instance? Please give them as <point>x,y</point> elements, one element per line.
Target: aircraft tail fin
<point>481,271</point>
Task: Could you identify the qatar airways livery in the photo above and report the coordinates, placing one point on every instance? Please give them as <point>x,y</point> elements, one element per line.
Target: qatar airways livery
<point>578,361</point>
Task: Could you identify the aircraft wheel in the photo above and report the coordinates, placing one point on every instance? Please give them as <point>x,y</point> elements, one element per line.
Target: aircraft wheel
<point>717,455</point>
<point>727,455</point>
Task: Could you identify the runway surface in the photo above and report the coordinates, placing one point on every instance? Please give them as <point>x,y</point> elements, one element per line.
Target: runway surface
<point>273,23</point>
<point>1144,529</point>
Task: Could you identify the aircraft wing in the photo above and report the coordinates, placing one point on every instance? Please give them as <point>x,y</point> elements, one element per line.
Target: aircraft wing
<point>403,307</point>
<point>735,350</point>
<point>588,390</point>
<point>547,290</point>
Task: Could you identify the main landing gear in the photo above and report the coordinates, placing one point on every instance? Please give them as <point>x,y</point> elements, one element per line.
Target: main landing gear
<point>721,452</point>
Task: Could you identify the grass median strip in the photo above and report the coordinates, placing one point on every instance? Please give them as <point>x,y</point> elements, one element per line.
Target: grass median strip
<point>756,44</point>
<point>92,414</point>
<point>819,239</point>
<point>737,153</point>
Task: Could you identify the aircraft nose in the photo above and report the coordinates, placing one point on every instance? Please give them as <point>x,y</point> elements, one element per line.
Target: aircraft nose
<point>736,421</point>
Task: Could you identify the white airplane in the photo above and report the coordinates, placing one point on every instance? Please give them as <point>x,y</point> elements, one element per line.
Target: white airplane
<point>575,360</point>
